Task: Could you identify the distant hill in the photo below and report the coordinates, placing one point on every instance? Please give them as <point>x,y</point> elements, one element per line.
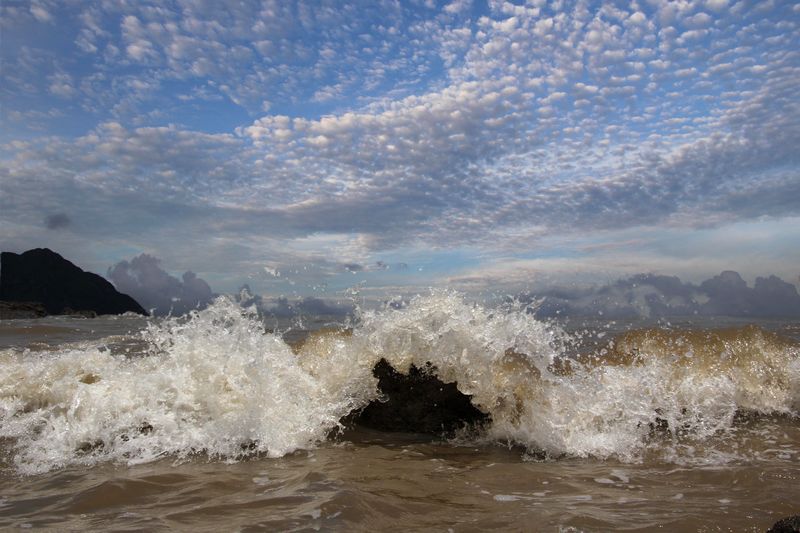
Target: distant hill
<point>41,276</point>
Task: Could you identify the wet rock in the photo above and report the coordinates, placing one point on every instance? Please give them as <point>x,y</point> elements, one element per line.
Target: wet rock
<point>21,310</point>
<point>789,524</point>
<point>417,402</point>
<point>89,447</point>
<point>85,313</point>
<point>58,286</point>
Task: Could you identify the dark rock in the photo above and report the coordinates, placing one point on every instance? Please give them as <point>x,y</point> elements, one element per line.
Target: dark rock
<point>87,448</point>
<point>417,402</point>
<point>16,310</point>
<point>85,313</point>
<point>790,524</point>
<point>42,275</point>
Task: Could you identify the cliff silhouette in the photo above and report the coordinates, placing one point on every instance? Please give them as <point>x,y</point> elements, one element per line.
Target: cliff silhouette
<point>44,280</point>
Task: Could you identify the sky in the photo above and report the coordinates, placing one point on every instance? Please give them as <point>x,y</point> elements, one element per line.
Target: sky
<point>310,147</point>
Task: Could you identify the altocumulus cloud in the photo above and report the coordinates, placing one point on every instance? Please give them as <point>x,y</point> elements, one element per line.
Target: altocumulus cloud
<point>399,125</point>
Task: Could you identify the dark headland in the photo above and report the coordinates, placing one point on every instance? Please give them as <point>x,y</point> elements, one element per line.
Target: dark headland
<point>40,282</point>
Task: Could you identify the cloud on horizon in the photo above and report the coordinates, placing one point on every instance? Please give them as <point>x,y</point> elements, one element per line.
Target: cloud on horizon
<point>639,295</point>
<point>649,295</point>
<point>143,279</point>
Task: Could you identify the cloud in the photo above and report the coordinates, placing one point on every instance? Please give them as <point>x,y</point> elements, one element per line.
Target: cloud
<point>392,126</point>
<point>726,294</point>
<point>57,221</point>
<point>308,305</point>
<point>40,13</point>
<point>250,50</point>
<point>61,85</point>
<point>145,281</point>
<point>729,294</point>
<point>283,307</point>
<point>377,266</point>
<point>458,6</point>
<point>717,5</point>
<point>247,298</point>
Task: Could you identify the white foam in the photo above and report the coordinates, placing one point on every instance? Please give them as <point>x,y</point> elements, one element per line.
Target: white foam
<point>211,383</point>
<point>506,498</point>
<point>215,381</point>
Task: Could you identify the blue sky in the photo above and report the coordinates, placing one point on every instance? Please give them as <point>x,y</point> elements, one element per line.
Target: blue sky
<point>478,145</point>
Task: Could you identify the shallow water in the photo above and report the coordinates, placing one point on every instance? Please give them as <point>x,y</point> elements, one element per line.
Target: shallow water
<point>213,423</point>
<point>404,482</point>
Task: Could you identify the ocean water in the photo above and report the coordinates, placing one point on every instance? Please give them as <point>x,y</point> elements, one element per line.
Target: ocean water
<point>223,420</point>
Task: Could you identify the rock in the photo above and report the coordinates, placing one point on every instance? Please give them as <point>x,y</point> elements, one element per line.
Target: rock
<point>16,310</point>
<point>85,313</point>
<point>417,402</point>
<point>789,524</point>
<point>45,277</point>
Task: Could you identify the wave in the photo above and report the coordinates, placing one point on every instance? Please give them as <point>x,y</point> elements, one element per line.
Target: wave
<point>216,383</point>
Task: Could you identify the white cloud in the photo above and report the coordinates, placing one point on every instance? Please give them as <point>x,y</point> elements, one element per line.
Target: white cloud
<point>716,5</point>
<point>395,126</point>
<point>62,86</point>
<point>691,35</point>
<point>638,18</point>
<point>40,13</point>
<point>458,6</point>
<point>507,26</point>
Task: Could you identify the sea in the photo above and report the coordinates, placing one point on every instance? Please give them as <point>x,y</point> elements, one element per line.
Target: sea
<point>228,420</point>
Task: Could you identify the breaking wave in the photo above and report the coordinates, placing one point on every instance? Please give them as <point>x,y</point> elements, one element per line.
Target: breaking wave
<point>215,383</point>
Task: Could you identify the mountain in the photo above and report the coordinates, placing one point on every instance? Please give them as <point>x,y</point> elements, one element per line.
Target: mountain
<point>43,276</point>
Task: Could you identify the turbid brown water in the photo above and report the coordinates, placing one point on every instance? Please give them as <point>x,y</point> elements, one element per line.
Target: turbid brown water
<point>689,428</point>
<point>380,482</point>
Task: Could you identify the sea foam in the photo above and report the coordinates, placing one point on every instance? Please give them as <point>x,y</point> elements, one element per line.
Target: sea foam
<point>212,383</point>
<point>215,383</point>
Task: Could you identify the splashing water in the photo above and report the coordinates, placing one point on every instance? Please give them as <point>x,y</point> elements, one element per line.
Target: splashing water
<point>215,383</point>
